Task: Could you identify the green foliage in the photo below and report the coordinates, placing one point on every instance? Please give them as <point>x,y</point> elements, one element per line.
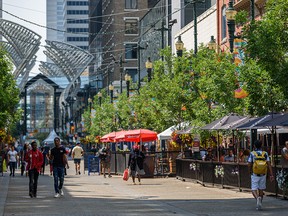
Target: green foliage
<point>9,94</point>
<point>268,44</point>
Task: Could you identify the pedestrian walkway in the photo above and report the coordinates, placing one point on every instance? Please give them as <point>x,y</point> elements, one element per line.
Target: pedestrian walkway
<point>95,195</point>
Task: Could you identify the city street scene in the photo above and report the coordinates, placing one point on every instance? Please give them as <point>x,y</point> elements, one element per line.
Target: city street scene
<point>143,107</point>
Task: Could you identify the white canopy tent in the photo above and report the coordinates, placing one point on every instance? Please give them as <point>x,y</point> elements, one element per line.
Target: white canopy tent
<point>50,139</point>
<point>166,135</point>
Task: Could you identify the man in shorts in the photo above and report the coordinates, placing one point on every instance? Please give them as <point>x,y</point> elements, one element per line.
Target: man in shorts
<point>105,157</point>
<point>77,153</point>
<point>258,181</point>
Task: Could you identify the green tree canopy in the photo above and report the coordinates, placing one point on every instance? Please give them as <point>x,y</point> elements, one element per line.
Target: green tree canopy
<point>9,94</point>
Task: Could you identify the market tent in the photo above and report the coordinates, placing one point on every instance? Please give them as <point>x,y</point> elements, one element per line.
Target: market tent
<point>166,135</point>
<point>277,120</point>
<point>50,138</point>
<point>226,122</point>
<point>140,135</point>
<point>264,121</point>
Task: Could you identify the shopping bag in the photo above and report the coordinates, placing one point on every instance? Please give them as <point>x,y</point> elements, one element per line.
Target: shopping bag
<point>126,174</point>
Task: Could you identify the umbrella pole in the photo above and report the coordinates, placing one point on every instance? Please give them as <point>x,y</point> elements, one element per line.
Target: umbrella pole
<point>273,147</point>
<point>218,146</point>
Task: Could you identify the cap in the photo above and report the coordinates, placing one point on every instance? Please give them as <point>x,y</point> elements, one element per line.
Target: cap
<point>78,143</point>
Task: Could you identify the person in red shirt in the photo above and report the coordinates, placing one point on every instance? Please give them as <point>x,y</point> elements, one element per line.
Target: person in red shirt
<point>34,159</point>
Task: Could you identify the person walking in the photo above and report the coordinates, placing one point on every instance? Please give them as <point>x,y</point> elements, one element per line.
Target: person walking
<point>105,157</point>
<point>258,162</point>
<point>77,153</point>
<point>135,163</point>
<point>58,156</point>
<point>34,159</point>
<point>12,159</point>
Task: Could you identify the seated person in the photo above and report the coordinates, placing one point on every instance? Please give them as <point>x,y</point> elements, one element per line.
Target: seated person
<point>209,155</point>
<point>230,157</point>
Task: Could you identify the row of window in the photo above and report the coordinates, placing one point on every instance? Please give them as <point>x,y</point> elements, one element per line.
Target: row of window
<point>129,4</point>
<point>77,3</point>
<point>77,21</point>
<point>77,38</point>
<point>75,30</point>
<point>77,12</point>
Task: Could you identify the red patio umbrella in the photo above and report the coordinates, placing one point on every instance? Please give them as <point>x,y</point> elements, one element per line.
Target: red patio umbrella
<point>140,135</point>
<point>115,136</point>
<point>120,136</point>
<point>108,137</point>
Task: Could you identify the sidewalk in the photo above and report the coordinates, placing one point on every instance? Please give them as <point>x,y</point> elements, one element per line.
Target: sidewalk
<point>95,195</point>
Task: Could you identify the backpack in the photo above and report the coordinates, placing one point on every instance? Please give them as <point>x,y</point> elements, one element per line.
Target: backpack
<point>260,163</point>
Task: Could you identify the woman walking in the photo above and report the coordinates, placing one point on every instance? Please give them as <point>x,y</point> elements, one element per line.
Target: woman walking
<point>135,163</point>
<point>12,158</point>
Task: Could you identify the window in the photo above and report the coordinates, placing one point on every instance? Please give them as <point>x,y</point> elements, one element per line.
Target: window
<point>74,30</point>
<point>77,38</point>
<point>131,26</point>
<point>131,4</point>
<point>78,3</point>
<point>130,51</point>
<point>77,21</point>
<point>77,12</point>
<point>223,26</point>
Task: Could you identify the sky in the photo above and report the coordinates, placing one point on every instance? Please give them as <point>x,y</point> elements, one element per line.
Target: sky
<point>33,11</point>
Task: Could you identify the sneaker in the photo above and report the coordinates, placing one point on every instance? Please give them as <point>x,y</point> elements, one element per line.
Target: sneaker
<point>134,183</point>
<point>259,203</point>
<point>79,173</point>
<point>61,192</point>
<point>57,195</point>
<point>31,194</point>
<point>109,176</point>
<point>104,176</point>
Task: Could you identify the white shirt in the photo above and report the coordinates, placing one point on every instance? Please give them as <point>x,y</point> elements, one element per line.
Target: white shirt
<point>12,156</point>
<point>77,152</point>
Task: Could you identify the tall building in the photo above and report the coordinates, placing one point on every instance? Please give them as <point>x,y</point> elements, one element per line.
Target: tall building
<point>67,21</point>
<point>114,35</point>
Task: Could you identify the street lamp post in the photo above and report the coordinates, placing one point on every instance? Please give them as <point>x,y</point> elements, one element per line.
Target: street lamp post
<point>195,22</point>
<point>111,88</point>
<point>212,44</point>
<point>149,66</point>
<point>179,47</point>
<point>230,16</point>
<point>90,104</point>
<point>99,97</point>
<point>127,79</point>
<point>252,9</point>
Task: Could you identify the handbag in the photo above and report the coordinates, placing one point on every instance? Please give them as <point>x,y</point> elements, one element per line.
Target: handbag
<point>126,174</point>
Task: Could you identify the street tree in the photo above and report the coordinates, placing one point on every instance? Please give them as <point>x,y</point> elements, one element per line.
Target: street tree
<point>267,44</point>
<point>9,94</point>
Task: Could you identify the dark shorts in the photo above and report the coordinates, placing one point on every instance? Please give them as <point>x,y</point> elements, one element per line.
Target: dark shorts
<point>77,161</point>
<point>105,164</point>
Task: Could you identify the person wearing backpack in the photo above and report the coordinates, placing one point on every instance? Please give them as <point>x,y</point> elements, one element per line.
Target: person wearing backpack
<point>258,163</point>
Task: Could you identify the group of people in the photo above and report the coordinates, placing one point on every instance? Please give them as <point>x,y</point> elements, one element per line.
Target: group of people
<point>225,156</point>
